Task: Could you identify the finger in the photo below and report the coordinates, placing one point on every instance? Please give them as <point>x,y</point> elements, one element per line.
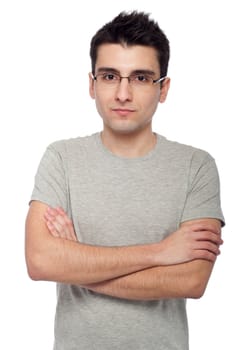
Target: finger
<point>61,223</point>
<point>51,212</point>
<point>70,231</point>
<point>59,227</point>
<point>206,245</point>
<point>56,222</point>
<point>208,236</point>
<point>205,255</point>
<point>66,225</point>
<point>47,215</point>
<point>61,211</point>
<point>52,229</point>
<point>50,222</point>
<point>207,227</point>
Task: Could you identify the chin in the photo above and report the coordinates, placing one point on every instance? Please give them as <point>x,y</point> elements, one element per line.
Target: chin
<point>122,126</point>
<point>126,127</point>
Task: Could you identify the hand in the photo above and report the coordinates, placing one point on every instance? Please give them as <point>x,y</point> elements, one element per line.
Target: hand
<point>200,240</point>
<point>59,224</point>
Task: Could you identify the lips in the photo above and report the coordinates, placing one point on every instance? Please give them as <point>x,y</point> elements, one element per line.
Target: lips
<point>123,111</point>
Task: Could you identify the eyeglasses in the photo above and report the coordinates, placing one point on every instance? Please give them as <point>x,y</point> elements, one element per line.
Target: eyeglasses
<point>135,79</point>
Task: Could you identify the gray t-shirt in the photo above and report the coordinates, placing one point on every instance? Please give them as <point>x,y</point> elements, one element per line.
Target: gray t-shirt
<point>117,201</point>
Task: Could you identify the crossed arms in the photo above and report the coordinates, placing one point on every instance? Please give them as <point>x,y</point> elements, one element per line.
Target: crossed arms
<point>177,267</point>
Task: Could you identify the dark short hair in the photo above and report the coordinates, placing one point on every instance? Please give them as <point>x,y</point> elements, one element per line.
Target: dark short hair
<point>135,28</point>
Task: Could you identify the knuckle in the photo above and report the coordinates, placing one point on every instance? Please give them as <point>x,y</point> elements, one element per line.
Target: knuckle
<point>206,255</point>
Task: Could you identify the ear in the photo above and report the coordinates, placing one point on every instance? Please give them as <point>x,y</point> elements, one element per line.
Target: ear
<point>91,86</point>
<point>164,90</point>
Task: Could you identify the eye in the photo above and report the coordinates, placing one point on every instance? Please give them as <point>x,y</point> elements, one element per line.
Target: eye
<point>109,76</point>
<point>142,78</point>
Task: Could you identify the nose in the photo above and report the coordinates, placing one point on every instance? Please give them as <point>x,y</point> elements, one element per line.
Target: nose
<point>124,91</point>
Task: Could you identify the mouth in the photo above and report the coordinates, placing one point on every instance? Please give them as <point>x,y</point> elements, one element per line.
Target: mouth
<point>123,111</point>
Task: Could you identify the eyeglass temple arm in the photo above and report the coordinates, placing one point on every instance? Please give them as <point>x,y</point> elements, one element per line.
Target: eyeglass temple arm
<point>159,80</point>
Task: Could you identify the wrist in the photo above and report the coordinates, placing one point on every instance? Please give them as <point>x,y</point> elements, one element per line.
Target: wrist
<point>154,254</point>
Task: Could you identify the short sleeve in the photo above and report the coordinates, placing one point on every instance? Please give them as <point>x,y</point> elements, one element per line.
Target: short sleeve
<point>203,198</point>
<point>50,181</point>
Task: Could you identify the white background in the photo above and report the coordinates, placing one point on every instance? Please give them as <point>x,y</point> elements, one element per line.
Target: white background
<point>44,62</point>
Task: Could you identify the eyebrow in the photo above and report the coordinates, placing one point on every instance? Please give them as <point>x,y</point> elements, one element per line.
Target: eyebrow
<point>136,71</point>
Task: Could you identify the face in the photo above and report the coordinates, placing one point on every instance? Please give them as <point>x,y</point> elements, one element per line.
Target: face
<point>126,107</point>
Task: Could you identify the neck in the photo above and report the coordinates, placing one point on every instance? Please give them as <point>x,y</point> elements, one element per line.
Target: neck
<point>132,145</point>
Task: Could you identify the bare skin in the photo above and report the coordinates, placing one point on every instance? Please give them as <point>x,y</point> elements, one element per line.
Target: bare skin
<point>188,252</point>
<point>68,261</point>
<point>177,248</point>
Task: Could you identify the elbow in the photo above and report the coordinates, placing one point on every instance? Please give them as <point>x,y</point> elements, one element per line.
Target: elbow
<point>35,268</point>
<point>197,288</point>
<point>39,246</point>
<point>33,274</point>
<point>196,293</point>
<point>197,278</point>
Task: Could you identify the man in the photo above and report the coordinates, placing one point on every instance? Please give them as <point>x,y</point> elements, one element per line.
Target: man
<point>126,222</point>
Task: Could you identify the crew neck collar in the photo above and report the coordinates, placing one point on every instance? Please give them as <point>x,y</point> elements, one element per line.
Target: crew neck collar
<point>112,155</point>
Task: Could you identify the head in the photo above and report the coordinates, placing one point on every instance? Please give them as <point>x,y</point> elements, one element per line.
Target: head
<point>130,46</point>
<point>131,29</point>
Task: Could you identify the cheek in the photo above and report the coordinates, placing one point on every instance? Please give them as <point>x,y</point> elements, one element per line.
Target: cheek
<point>150,103</point>
<point>101,105</point>
<point>102,100</point>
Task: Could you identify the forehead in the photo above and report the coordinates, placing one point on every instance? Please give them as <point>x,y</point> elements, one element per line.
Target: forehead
<point>127,58</point>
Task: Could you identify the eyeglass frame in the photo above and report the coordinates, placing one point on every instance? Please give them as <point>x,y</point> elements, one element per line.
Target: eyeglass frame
<point>154,81</point>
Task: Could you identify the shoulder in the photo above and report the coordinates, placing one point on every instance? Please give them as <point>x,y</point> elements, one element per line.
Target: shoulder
<point>67,147</point>
<point>183,153</point>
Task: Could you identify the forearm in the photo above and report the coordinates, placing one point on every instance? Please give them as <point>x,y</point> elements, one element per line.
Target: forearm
<point>187,280</point>
<point>54,258</point>
<point>67,261</point>
<point>76,263</point>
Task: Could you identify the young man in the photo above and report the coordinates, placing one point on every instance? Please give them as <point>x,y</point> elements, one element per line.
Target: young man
<point>145,216</point>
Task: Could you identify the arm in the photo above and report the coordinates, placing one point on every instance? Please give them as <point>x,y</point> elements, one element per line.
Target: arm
<point>64,260</point>
<point>186,280</point>
<point>150,283</point>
